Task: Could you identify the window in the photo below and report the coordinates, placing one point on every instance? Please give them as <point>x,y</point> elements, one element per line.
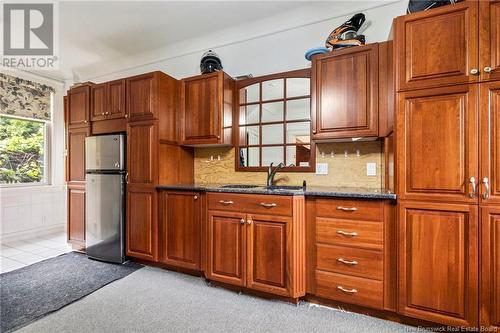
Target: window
<point>23,147</point>
<point>274,123</point>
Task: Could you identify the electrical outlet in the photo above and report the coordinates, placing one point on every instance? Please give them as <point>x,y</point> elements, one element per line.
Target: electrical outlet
<point>371,169</point>
<point>321,168</point>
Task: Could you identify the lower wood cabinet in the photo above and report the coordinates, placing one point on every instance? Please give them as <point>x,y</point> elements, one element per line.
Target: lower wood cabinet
<point>260,252</point>
<point>142,223</point>
<point>490,268</point>
<point>76,215</point>
<point>438,262</point>
<point>180,229</point>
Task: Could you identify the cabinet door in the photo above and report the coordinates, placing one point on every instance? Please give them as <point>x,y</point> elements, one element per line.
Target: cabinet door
<point>489,39</point>
<point>140,96</point>
<point>268,241</point>
<point>76,154</point>
<point>116,99</point>
<point>490,267</point>
<point>489,104</point>
<point>76,215</point>
<point>141,228</point>
<point>79,106</point>
<point>438,262</point>
<point>438,47</point>
<point>438,144</point>
<point>345,93</point>
<point>226,247</point>
<point>142,154</point>
<point>201,108</point>
<point>180,229</point>
<point>98,102</point>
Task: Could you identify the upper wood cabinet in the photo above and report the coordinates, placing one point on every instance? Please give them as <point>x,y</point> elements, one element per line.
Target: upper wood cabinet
<point>141,92</point>
<point>345,93</point>
<point>76,154</point>
<point>206,109</point>
<point>108,100</point>
<point>79,106</point>
<point>489,39</point>
<point>438,262</point>
<point>180,229</point>
<point>490,268</point>
<point>438,144</point>
<point>142,152</point>
<point>98,102</point>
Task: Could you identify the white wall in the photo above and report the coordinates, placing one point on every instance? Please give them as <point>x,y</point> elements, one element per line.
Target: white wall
<point>32,210</point>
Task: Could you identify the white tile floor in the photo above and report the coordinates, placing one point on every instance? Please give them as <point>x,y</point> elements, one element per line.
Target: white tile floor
<point>14,255</point>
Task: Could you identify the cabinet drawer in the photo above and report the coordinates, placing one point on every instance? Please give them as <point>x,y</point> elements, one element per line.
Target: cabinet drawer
<point>349,289</point>
<point>351,261</point>
<point>351,233</point>
<point>251,203</point>
<point>371,210</point>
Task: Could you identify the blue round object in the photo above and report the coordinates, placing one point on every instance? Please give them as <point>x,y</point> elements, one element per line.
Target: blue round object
<point>315,50</point>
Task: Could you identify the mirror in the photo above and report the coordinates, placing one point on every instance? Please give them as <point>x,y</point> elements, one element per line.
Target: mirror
<point>249,157</point>
<point>298,155</point>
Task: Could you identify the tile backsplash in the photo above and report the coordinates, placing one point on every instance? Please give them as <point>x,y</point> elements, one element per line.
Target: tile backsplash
<point>343,170</point>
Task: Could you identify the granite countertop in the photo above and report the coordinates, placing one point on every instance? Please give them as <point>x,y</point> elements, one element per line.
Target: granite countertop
<point>320,191</point>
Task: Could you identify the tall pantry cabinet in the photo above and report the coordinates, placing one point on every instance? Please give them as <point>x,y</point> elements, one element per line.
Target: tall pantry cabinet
<point>448,161</point>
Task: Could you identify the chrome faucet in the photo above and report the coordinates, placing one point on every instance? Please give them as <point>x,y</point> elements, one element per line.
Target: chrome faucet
<point>271,172</point>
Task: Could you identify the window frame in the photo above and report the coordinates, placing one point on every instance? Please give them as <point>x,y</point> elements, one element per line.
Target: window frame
<point>301,73</point>
<point>46,156</point>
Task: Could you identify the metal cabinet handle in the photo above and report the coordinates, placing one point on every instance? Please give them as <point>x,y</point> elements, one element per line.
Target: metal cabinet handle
<point>472,181</point>
<point>224,202</point>
<point>126,115</point>
<point>352,234</point>
<point>126,178</point>
<point>349,291</point>
<point>474,71</point>
<point>195,197</point>
<point>242,221</point>
<point>486,182</point>
<point>347,209</point>
<point>249,221</point>
<point>347,262</point>
<point>106,113</point>
<point>487,69</point>
<point>268,204</point>
<point>314,132</point>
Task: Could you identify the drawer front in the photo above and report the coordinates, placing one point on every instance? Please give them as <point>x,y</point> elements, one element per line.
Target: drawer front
<point>351,261</point>
<point>251,203</point>
<point>369,210</point>
<point>349,289</point>
<point>362,234</point>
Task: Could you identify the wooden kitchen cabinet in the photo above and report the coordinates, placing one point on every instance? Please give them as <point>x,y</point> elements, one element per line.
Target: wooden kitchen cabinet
<point>438,262</point>
<point>142,152</point>
<point>76,154</point>
<point>206,109</point>
<point>438,47</point>
<point>489,39</point>
<point>98,105</point>
<point>180,229</point>
<point>79,106</point>
<point>345,93</point>
<point>108,100</point>
<point>437,141</point>
<point>76,215</point>
<point>490,268</point>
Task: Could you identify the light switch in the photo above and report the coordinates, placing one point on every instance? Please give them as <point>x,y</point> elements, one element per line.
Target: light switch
<point>321,168</point>
<point>371,169</point>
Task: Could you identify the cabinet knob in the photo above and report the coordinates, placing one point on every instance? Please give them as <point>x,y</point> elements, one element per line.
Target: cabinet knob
<point>126,115</point>
<point>474,71</point>
<point>195,197</point>
<point>106,113</point>
<point>85,121</point>
<point>242,221</point>
<point>314,131</point>
<point>488,69</point>
<point>249,221</point>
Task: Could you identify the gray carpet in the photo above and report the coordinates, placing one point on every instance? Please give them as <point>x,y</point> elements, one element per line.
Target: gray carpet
<point>31,292</point>
<point>156,300</point>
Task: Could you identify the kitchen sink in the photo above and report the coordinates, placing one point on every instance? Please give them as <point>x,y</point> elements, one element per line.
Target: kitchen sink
<point>284,188</point>
<point>239,186</point>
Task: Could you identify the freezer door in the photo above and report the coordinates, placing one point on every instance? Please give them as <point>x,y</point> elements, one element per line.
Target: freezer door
<point>104,223</point>
<point>105,152</point>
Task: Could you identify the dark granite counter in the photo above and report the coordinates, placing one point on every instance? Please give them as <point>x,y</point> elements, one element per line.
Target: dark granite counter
<point>319,191</point>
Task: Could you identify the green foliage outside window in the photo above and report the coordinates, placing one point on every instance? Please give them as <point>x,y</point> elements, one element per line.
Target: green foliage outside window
<point>21,150</point>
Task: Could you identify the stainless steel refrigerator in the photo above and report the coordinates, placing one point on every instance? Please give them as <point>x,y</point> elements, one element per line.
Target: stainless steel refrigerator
<point>105,173</point>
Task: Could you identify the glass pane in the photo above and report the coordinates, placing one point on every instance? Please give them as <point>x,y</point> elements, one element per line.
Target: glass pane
<point>272,134</point>
<point>298,87</point>
<point>272,89</point>
<point>250,94</point>
<point>298,155</point>
<point>272,155</point>
<point>298,109</point>
<point>298,132</point>
<point>22,144</point>
<point>249,135</point>
<point>249,114</point>
<point>249,157</point>
<point>272,112</point>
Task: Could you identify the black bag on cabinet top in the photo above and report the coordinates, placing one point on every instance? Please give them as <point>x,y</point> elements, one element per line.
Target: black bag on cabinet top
<point>420,5</point>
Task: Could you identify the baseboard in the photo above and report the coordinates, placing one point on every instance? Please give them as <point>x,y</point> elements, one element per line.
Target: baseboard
<point>32,233</point>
